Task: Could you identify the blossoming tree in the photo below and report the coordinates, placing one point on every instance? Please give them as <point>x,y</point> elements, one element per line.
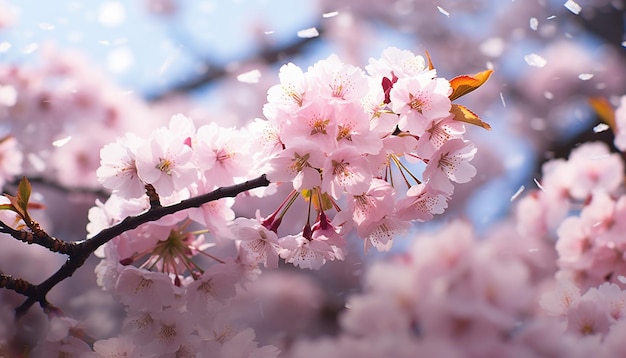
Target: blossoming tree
<point>205,236</point>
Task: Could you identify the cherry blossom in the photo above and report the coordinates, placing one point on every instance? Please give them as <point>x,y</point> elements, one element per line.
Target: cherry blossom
<point>166,162</point>
<point>450,163</point>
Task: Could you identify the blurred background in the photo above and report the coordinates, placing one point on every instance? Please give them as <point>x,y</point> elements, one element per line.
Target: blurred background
<point>83,72</point>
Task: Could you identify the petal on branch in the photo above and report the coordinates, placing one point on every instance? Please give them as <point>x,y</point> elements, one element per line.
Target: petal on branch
<point>604,110</point>
<point>462,85</point>
<point>462,114</point>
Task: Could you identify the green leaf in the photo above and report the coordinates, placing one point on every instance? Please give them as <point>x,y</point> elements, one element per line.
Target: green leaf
<point>23,193</point>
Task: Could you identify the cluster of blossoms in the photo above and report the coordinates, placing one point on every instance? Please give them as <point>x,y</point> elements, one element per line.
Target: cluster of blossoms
<point>370,152</point>
<point>334,134</point>
<point>549,282</point>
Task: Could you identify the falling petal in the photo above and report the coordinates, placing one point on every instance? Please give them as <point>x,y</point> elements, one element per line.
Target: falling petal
<point>518,192</point>
<point>30,48</point>
<point>249,77</point>
<point>534,23</point>
<point>61,142</point>
<point>308,33</point>
<point>330,14</point>
<point>573,6</point>
<point>5,46</point>
<point>269,32</point>
<point>601,127</point>
<point>621,279</point>
<point>535,60</point>
<point>46,26</point>
<point>585,76</point>
<point>502,99</point>
<point>551,17</point>
<point>443,11</point>
<point>537,183</point>
<point>548,95</point>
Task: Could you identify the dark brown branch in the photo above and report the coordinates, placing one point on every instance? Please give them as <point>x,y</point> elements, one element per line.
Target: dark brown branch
<point>18,285</point>
<point>83,249</point>
<point>39,237</point>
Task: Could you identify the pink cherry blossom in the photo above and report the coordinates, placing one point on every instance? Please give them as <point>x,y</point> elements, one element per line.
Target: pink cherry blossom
<point>291,94</point>
<point>338,81</point>
<point>141,289</point>
<point>118,170</point>
<point>257,244</point>
<point>450,163</point>
<point>305,253</point>
<point>587,317</point>
<point>344,171</point>
<point>166,162</point>
<point>437,134</point>
<point>419,100</point>
<point>394,61</point>
<point>222,154</point>
<point>300,164</point>
<point>421,203</point>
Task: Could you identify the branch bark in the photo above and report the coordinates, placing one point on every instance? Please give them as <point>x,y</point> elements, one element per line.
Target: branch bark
<point>81,250</point>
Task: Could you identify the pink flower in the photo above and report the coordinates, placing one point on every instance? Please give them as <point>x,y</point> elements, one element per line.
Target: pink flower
<point>353,129</point>
<point>300,164</point>
<point>380,233</point>
<point>393,61</point>
<point>373,204</point>
<point>437,134</point>
<point>222,154</point>
<point>290,94</point>
<point>166,162</point>
<point>316,123</point>
<point>257,244</point>
<point>211,291</point>
<point>419,100</point>
<point>118,170</point>
<point>559,300</point>
<point>345,171</point>
<point>144,290</point>
<point>450,162</point>
<point>338,81</point>
<point>587,317</point>
<point>421,203</point>
<point>305,253</point>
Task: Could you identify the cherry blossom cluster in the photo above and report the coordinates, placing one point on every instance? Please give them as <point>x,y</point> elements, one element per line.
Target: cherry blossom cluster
<point>549,282</point>
<point>580,204</point>
<point>50,100</point>
<point>451,295</point>
<point>377,150</point>
<point>164,319</point>
<point>387,143</point>
<point>597,317</point>
<point>366,151</point>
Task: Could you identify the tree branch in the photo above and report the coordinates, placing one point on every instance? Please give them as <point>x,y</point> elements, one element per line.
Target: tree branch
<point>81,250</point>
